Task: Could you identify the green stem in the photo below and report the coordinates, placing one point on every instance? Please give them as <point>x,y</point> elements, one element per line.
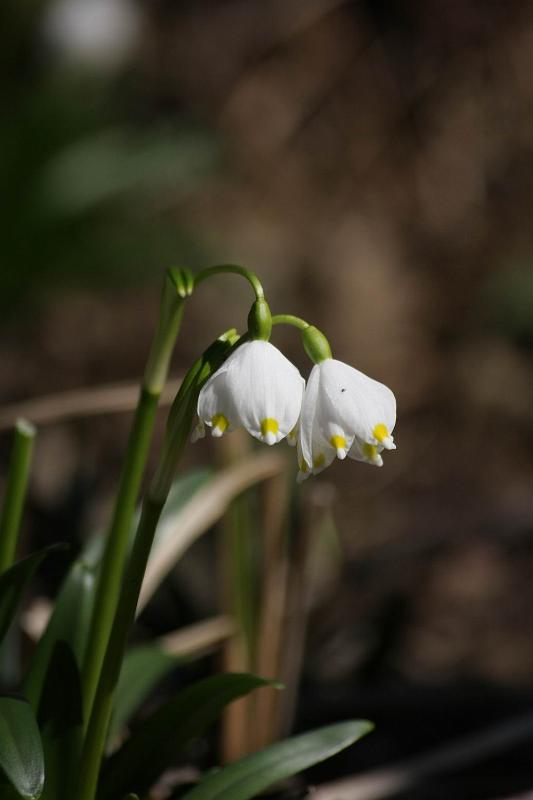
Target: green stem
<point>315,343</point>
<point>17,483</point>
<point>178,429</point>
<point>118,538</point>
<point>112,565</point>
<point>221,269</point>
<point>103,702</point>
<point>290,319</point>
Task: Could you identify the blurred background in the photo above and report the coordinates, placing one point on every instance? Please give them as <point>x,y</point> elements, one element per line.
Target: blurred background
<point>373,162</point>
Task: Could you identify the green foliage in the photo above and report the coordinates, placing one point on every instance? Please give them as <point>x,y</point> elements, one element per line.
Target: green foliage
<point>183,488</point>
<point>21,753</point>
<point>13,583</point>
<point>248,777</point>
<point>154,745</point>
<point>69,623</point>
<point>142,669</point>
<point>60,721</point>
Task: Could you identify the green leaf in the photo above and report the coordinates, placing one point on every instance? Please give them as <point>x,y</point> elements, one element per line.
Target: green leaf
<point>181,492</point>
<point>103,166</point>
<point>153,746</point>
<point>248,777</point>
<point>69,623</point>
<point>142,668</point>
<point>60,720</point>
<point>21,753</point>
<point>14,581</point>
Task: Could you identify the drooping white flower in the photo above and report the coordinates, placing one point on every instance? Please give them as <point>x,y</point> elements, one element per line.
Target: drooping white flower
<point>256,388</point>
<point>344,413</point>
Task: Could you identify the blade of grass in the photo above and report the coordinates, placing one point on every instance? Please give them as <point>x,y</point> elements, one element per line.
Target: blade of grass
<point>17,484</point>
<point>247,778</point>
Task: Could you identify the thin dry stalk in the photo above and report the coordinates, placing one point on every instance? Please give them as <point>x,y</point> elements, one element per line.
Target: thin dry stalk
<point>309,566</point>
<point>54,408</point>
<point>273,611</point>
<point>198,639</point>
<point>236,655</point>
<point>390,781</point>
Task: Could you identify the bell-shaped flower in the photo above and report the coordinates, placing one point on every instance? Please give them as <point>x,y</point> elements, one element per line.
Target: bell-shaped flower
<point>344,413</point>
<point>256,388</point>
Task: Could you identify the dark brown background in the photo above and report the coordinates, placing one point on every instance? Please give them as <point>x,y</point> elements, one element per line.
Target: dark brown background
<point>373,162</point>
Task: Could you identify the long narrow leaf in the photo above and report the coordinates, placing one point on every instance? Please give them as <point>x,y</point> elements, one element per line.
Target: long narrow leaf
<point>14,581</point>
<point>21,754</point>
<point>183,490</point>
<point>153,746</point>
<point>203,509</point>
<point>142,669</point>
<point>69,623</point>
<point>248,777</point>
<point>60,720</point>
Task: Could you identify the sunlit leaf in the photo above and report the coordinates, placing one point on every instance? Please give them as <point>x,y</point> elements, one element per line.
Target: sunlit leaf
<point>154,745</point>
<point>251,775</point>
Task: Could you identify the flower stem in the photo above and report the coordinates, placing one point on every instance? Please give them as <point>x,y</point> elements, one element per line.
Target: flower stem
<point>178,429</point>
<point>315,343</point>
<point>17,483</point>
<point>117,540</point>
<point>221,269</point>
<point>290,319</point>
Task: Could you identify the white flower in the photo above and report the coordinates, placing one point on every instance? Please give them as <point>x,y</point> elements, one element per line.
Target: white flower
<point>344,413</point>
<point>256,388</point>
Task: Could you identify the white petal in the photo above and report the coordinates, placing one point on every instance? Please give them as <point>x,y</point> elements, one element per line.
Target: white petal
<point>307,416</point>
<point>267,391</point>
<point>215,400</point>
<point>198,432</point>
<point>368,453</point>
<point>292,436</point>
<point>358,403</point>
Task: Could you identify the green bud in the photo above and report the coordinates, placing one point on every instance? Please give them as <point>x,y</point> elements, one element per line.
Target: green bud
<point>182,280</point>
<point>260,321</point>
<point>315,344</point>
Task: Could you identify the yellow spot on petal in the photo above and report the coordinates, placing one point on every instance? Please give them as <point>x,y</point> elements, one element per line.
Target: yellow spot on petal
<point>338,442</point>
<point>219,421</point>
<point>370,451</point>
<point>381,432</point>
<point>319,461</point>
<point>303,466</point>
<point>269,425</point>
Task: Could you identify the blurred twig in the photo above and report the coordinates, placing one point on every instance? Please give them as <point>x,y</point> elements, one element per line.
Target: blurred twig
<point>382,783</point>
<point>272,626</point>
<point>53,408</point>
<point>198,639</point>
